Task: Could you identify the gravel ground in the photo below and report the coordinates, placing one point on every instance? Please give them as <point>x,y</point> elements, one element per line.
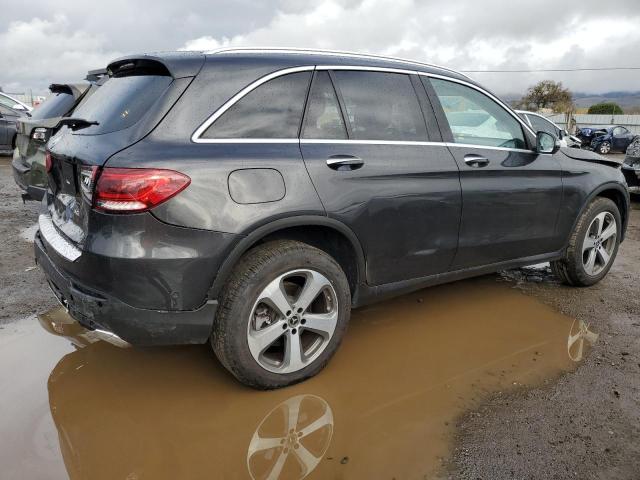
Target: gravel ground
<point>587,424</point>
<point>22,286</point>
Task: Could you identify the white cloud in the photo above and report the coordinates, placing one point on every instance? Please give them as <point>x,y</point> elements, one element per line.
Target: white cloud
<point>50,50</point>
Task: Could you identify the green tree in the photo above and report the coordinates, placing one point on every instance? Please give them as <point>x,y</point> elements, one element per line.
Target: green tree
<point>548,94</point>
<point>605,108</point>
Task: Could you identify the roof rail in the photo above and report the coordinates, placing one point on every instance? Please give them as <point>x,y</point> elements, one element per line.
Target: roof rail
<point>317,51</point>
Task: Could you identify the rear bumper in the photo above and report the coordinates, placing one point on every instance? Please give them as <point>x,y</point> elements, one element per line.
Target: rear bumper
<point>99,311</point>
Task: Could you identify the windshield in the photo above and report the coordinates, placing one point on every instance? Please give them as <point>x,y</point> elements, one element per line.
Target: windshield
<point>121,102</point>
<point>56,105</point>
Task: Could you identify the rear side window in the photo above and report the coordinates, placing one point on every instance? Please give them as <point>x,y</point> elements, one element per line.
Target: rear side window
<point>381,106</point>
<point>56,105</point>
<point>121,102</point>
<point>272,110</point>
<point>324,118</point>
<point>475,118</point>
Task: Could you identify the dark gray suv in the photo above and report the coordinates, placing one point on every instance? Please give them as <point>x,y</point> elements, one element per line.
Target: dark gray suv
<point>253,197</point>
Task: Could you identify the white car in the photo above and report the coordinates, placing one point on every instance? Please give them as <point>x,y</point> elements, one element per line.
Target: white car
<point>15,104</point>
<point>540,123</point>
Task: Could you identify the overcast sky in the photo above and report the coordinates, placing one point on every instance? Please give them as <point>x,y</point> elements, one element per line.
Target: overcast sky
<point>44,41</point>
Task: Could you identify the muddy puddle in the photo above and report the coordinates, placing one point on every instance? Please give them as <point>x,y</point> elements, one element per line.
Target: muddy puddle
<point>384,407</point>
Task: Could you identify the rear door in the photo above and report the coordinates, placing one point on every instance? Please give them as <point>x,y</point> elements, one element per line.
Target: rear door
<point>621,139</point>
<point>511,194</point>
<point>377,169</point>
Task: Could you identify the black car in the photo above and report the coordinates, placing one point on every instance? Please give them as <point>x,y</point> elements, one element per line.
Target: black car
<point>253,197</point>
<point>8,127</point>
<point>33,133</point>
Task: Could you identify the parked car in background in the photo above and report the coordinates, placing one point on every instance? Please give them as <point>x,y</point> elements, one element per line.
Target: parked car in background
<point>631,165</point>
<point>541,124</point>
<point>308,183</point>
<point>8,127</point>
<point>34,131</point>
<point>615,139</point>
<point>13,103</point>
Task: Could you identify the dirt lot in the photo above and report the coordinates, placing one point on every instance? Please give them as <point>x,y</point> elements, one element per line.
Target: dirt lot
<point>493,396</point>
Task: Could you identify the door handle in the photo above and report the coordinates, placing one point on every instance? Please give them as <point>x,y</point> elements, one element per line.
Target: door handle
<point>474,160</point>
<point>344,162</point>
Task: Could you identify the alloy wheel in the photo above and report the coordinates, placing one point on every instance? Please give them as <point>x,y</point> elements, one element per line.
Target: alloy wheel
<point>599,243</point>
<point>605,148</point>
<point>292,321</point>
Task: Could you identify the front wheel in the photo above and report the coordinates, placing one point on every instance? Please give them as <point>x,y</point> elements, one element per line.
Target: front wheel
<point>593,245</point>
<point>604,148</point>
<point>282,314</point>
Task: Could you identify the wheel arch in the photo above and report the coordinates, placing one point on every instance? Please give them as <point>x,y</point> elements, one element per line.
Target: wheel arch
<point>615,192</point>
<point>327,234</point>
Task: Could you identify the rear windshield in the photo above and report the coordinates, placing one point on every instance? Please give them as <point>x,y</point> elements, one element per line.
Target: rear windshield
<point>121,102</point>
<point>56,105</point>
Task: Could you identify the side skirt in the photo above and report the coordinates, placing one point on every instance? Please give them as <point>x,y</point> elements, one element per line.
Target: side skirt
<point>367,294</point>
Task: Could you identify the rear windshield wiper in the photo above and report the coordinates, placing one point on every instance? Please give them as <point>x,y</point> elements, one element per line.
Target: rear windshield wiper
<point>76,123</point>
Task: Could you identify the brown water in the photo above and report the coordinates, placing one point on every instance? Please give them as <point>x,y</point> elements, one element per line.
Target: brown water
<point>383,408</point>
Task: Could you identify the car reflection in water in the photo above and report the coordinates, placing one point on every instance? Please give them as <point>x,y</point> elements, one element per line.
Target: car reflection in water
<point>385,406</point>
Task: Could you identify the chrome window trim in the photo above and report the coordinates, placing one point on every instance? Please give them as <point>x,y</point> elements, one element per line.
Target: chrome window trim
<point>483,91</point>
<point>367,142</point>
<point>333,53</point>
<point>490,147</point>
<point>196,136</point>
<point>233,100</point>
<point>61,245</point>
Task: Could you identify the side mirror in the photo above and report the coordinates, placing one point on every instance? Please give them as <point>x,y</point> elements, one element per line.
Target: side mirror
<point>563,133</point>
<point>546,143</point>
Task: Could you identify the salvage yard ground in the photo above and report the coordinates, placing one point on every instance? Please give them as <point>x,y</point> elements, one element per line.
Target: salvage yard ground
<point>476,384</point>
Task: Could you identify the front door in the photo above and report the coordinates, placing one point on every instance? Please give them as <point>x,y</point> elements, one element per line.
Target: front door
<point>621,139</point>
<point>511,195</point>
<point>371,162</point>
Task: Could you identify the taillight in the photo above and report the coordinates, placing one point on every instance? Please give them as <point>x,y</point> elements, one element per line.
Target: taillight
<point>87,180</point>
<point>39,134</point>
<point>48,162</point>
<point>136,189</point>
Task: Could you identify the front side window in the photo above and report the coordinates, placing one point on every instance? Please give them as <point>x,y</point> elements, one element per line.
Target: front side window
<point>381,106</point>
<point>619,131</point>
<point>475,118</point>
<point>272,110</point>
<point>324,118</point>
<point>539,124</point>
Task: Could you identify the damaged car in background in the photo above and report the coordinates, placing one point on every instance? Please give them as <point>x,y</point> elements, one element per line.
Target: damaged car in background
<point>307,184</point>
<point>29,170</point>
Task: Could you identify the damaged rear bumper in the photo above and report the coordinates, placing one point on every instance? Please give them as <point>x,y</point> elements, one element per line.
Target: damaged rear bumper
<point>107,315</point>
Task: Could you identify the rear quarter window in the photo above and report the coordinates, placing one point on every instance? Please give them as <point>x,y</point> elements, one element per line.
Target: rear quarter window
<point>121,102</point>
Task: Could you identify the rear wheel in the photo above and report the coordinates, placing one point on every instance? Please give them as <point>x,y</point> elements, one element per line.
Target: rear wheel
<point>593,245</point>
<point>282,315</point>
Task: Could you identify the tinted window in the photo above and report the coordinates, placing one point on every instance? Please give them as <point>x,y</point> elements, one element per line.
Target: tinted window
<point>272,110</point>
<point>323,118</point>
<point>56,105</point>
<point>381,106</point>
<point>121,102</point>
<point>618,131</point>
<point>476,119</point>
<point>539,124</point>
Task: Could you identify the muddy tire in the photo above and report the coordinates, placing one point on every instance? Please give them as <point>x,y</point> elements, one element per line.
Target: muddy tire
<point>282,314</point>
<point>589,255</point>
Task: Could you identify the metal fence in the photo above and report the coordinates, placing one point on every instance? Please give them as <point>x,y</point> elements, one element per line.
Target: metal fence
<point>632,122</point>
